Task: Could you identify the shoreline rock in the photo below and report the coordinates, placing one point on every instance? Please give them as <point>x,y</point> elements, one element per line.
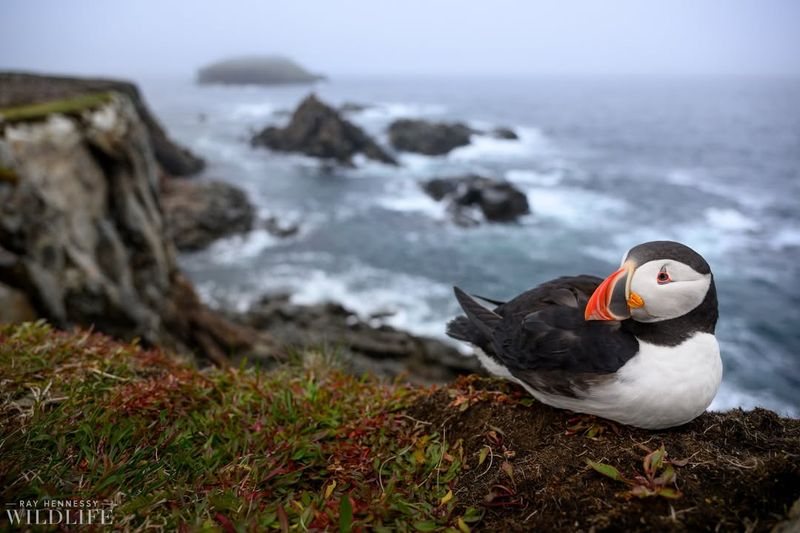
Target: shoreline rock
<point>496,200</point>
<point>428,138</point>
<point>318,130</point>
<point>200,212</point>
<point>22,88</point>
<point>366,346</point>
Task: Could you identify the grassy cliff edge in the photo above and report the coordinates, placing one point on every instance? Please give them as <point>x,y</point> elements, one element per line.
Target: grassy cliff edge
<point>308,447</point>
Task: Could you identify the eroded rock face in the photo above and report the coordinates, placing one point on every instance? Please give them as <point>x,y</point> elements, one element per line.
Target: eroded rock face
<point>18,88</point>
<point>84,237</point>
<point>429,138</point>
<point>318,130</point>
<point>200,212</point>
<point>367,346</point>
<point>496,200</point>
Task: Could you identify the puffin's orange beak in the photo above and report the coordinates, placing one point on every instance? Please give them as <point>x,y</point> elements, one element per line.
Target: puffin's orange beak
<point>612,299</point>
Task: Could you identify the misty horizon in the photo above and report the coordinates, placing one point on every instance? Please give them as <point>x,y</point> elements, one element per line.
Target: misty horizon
<point>355,37</point>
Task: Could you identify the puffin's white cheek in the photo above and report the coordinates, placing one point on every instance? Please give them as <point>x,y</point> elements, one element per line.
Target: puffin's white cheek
<point>663,302</point>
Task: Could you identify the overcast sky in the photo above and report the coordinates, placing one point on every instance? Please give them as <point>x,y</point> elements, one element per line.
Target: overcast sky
<point>509,37</point>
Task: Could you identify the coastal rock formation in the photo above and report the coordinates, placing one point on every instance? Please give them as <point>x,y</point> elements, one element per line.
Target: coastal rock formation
<point>428,138</point>
<point>318,130</point>
<point>258,70</point>
<point>367,347</point>
<point>502,132</point>
<point>199,213</point>
<point>82,232</point>
<point>497,200</point>
<point>21,89</point>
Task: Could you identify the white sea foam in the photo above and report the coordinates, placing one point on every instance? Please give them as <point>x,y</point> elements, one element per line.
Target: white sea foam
<point>387,111</point>
<point>572,206</point>
<point>785,238</point>
<point>252,110</point>
<point>731,397</point>
<point>361,288</point>
<point>237,248</point>
<point>533,177</point>
<point>729,220</point>
<point>487,147</point>
<point>701,182</point>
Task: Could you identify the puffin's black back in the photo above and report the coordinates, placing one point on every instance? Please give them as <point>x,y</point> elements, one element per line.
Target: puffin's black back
<point>544,329</point>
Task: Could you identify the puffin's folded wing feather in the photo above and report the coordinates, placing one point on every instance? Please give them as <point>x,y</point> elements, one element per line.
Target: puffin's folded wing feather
<point>558,338</point>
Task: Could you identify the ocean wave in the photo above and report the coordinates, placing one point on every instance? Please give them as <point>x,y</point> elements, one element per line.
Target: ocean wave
<point>730,397</point>
<point>729,220</point>
<point>408,196</point>
<point>387,111</point>
<point>487,147</point>
<point>534,177</point>
<point>248,111</point>
<point>572,206</point>
<point>238,248</point>
<point>785,238</point>
<point>701,182</point>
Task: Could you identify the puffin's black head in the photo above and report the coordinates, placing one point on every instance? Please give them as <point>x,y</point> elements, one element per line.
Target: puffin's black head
<point>658,281</point>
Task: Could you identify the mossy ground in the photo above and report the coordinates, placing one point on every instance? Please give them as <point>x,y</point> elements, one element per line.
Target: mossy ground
<point>307,447</point>
<point>65,106</point>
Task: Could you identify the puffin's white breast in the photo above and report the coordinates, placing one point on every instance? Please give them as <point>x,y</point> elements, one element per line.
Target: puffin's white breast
<point>660,387</point>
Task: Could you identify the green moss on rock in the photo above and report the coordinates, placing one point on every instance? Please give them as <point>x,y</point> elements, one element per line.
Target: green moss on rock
<point>67,106</point>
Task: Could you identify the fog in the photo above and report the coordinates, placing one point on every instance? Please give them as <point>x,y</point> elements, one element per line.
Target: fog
<point>502,37</point>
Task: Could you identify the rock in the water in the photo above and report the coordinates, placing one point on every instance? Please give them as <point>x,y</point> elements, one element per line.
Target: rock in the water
<point>497,200</point>
<point>367,347</point>
<point>318,130</point>
<point>428,138</point>
<point>84,238</point>
<point>259,70</point>
<point>19,89</point>
<point>199,213</point>
<point>279,228</point>
<point>505,133</point>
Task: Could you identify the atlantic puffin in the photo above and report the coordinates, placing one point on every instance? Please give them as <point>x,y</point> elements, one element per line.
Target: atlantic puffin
<point>637,348</point>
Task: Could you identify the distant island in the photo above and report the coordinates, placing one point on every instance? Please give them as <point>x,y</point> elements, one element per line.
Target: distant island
<point>259,70</point>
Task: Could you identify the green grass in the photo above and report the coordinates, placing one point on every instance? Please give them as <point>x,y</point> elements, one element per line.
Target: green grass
<point>298,448</point>
<point>65,106</point>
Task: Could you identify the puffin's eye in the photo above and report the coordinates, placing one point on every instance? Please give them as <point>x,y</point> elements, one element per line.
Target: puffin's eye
<point>663,277</point>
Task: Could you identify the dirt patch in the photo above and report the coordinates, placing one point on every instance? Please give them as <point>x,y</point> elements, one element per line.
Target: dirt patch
<point>528,470</point>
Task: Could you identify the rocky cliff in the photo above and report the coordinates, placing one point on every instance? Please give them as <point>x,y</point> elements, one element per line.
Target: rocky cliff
<point>82,235</point>
<point>20,89</point>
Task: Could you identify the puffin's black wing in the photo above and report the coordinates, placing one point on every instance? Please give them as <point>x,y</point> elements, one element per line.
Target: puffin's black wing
<point>544,329</point>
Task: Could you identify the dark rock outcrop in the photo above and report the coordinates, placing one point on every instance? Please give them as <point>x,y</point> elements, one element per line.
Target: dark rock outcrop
<point>259,70</point>
<point>504,133</point>
<point>318,130</point>
<point>198,213</point>
<point>19,89</point>
<point>367,347</point>
<point>83,236</point>
<point>498,201</point>
<point>428,138</point>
